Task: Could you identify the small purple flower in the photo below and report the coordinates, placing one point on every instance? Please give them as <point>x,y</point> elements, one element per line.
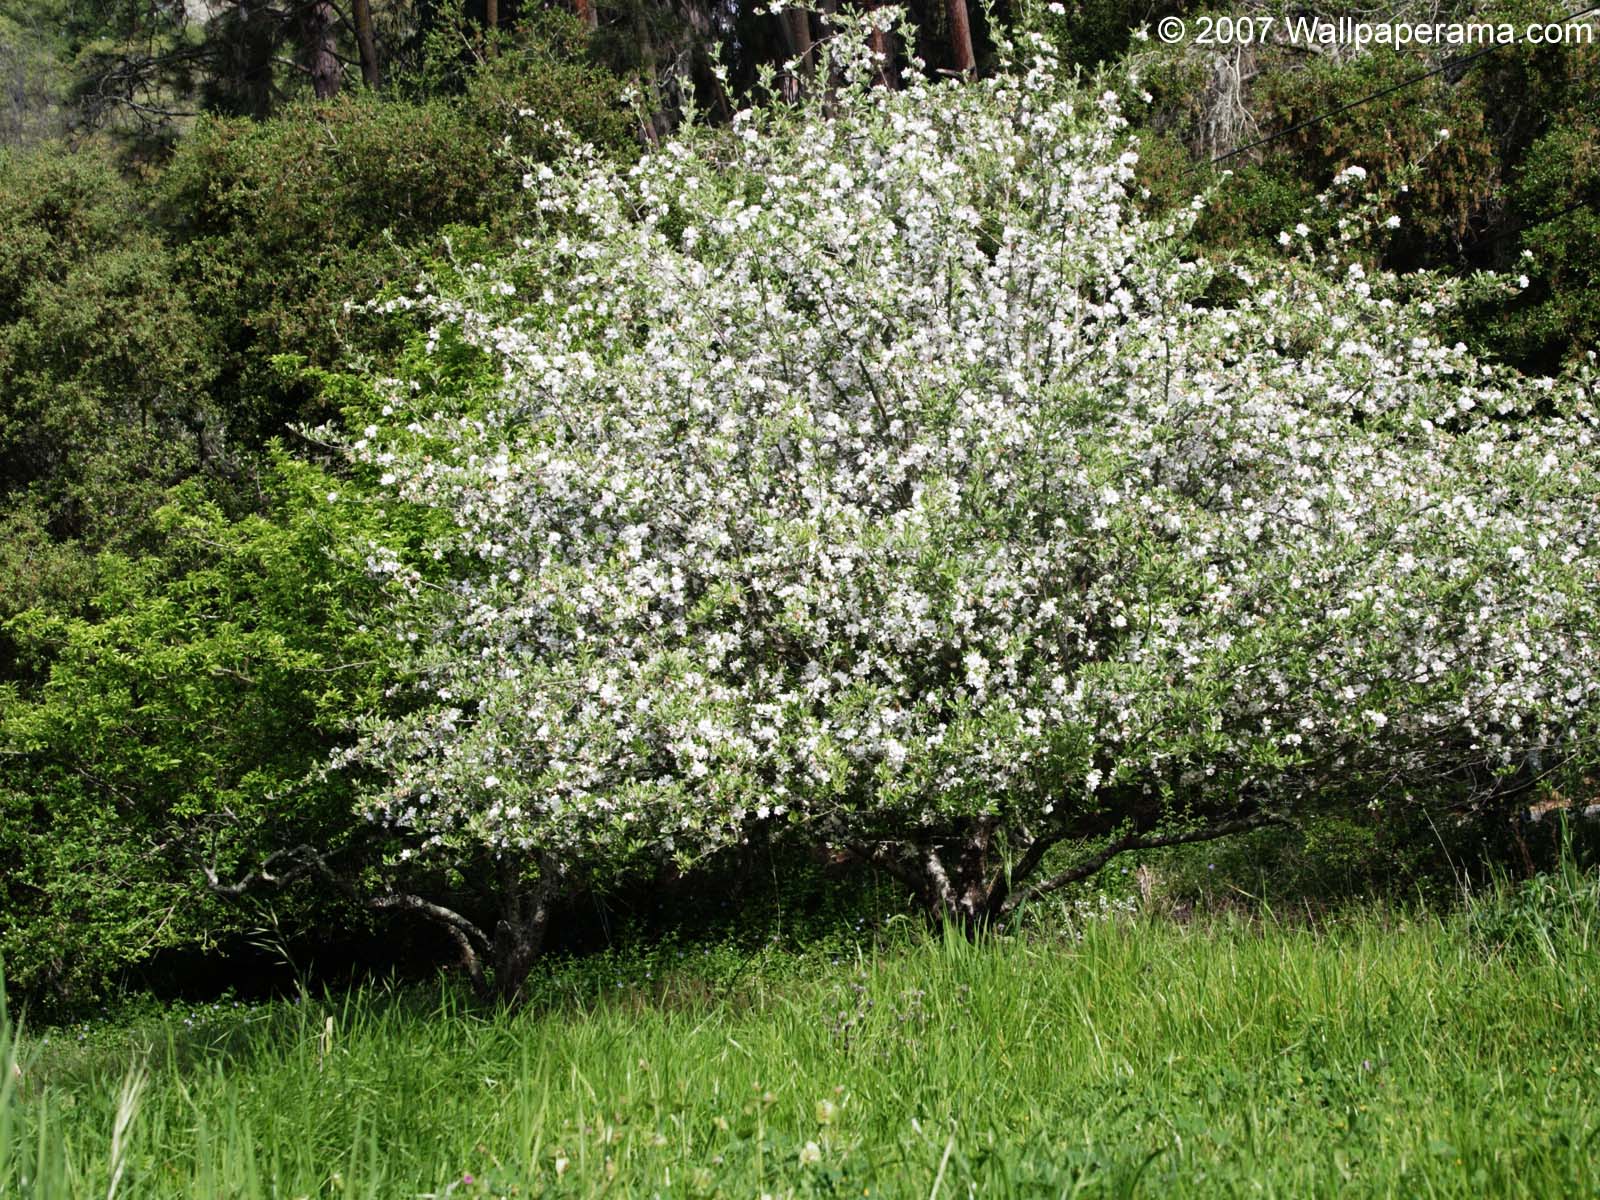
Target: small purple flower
<point>466,1178</point>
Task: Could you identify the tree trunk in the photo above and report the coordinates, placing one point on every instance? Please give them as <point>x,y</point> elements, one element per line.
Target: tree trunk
<point>519,935</point>
<point>367,44</point>
<point>586,13</point>
<point>961,36</point>
<point>317,20</point>
<point>655,123</point>
<point>491,24</point>
<point>795,24</point>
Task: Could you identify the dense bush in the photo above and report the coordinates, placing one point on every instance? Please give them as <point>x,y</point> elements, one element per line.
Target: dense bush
<point>100,355</point>
<point>1521,122</point>
<point>1555,199</point>
<point>104,376</point>
<point>175,729</point>
<point>277,225</point>
<point>164,680</point>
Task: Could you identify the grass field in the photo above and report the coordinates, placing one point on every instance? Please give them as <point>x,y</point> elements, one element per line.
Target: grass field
<point>1379,1055</point>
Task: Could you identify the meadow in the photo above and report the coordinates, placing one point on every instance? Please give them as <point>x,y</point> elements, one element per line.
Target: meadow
<point>1101,1052</point>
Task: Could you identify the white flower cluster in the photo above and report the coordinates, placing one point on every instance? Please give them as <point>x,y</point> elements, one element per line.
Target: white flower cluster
<point>879,468</point>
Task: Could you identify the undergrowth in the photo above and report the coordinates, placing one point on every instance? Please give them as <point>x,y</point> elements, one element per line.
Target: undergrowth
<point>1108,1053</point>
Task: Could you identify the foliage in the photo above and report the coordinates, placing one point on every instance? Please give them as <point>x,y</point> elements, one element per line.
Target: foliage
<point>99,353</point>
<point>1287,117</point>
<point>104,371</point>
<point>278,225</point>
<point>168,679</point>
<point>1384,1055</point>
<point>174,727</point>
<point>910,579</point>
<point>1556,199</point>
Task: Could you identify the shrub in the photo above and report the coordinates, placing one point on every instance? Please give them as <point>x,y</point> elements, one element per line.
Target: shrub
<point>103,366</point>
<point>278,223</point>
<point>104,371</point>
<point>176,722</point>
<point>1555,197</point>
<point>1519,118</point>
<point>884,479</point>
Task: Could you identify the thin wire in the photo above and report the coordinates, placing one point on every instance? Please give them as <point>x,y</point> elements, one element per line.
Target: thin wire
<point>1448,65</point>
<point>1533,223</point>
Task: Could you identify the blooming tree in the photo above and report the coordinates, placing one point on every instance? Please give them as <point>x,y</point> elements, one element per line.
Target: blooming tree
<point>876,468</point>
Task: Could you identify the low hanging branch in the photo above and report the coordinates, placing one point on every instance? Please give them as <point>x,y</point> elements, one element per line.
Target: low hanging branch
<point>1121,845</point>
<point>284,867</point>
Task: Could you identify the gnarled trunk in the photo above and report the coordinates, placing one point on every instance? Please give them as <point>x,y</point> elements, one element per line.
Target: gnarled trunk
<point>961,881</point>
<point>497,967</point>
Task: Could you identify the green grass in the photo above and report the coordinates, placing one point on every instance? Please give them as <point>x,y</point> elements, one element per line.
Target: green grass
<point>1386,1055</point>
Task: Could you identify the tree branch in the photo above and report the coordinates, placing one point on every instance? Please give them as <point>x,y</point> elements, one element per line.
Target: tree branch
<point>299,861</point>
<point>883,855</point>
<point>462,931</point>
<point>1136,841</point>
<point>999,890</point>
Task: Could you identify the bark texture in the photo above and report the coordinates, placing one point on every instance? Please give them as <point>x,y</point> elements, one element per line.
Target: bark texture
<point>367,44</point>
<point>322,61</point>
<point>961,36</point>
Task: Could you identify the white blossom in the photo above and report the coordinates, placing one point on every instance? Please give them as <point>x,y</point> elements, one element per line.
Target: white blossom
<point>927,479</point>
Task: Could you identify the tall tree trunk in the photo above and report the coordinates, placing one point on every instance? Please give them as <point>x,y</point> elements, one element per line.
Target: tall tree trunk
<point>491,24</point>
<point>316,26</point>
<point>961,36</point>
<point>367,44</point>
<point>586,13</point>
<point>795,24</point>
